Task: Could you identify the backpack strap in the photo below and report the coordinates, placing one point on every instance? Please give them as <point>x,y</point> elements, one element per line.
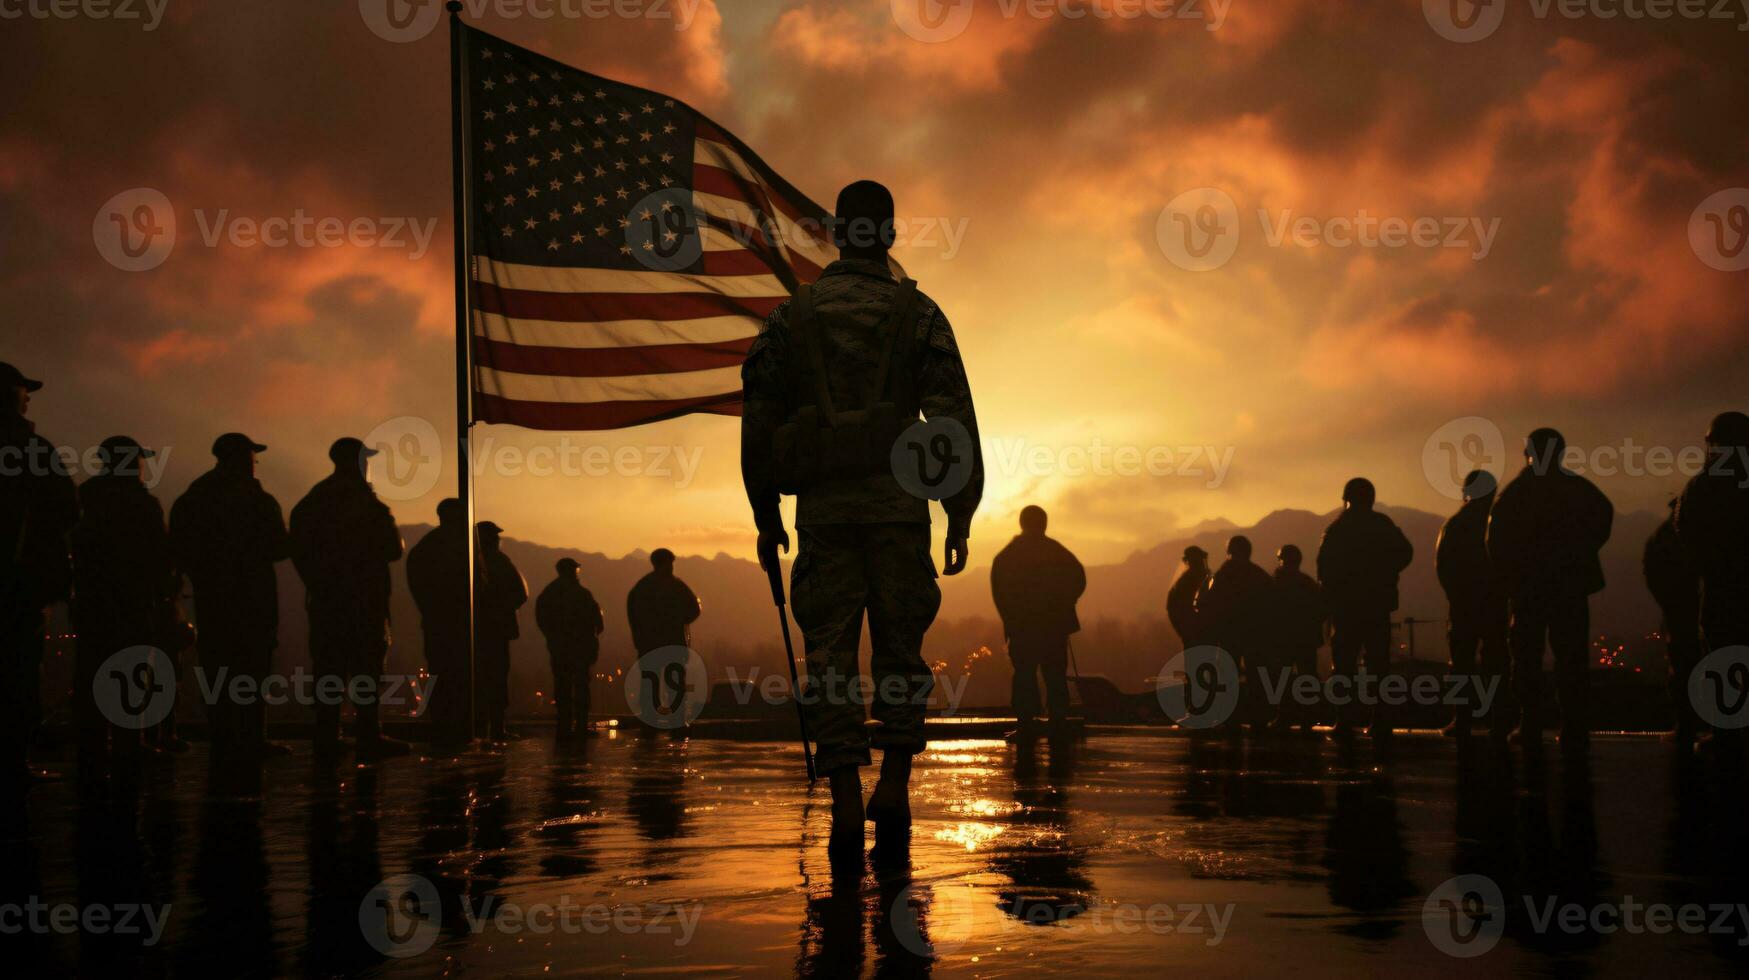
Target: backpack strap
<point>900,330</point>
<point>801,322</point>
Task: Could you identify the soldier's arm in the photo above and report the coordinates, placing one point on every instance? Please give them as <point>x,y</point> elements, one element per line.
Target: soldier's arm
<point>945,391</point>
<point>392,547</point>
<point>275,543</point>
<point>763,404</point>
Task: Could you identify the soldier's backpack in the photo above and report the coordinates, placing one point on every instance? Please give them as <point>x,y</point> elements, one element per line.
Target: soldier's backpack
<point>822,441</point>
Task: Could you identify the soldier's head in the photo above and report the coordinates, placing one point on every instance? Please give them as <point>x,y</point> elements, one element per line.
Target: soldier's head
<point>662,560</point>
<point>862,225</point>
<point>17,389</point>
<point>1033,519</point>
<point>567,567</point>
<point>1239,548</point>
<point>1543,450</point>
<point>1195,558</point>
<point>351,457</point>
<point>1728,433</point>
<point>121,456</point>
<point>1479,484</point>
<point>451,511</point>
<point>1358,494</point>
<point>236,451</point>
<point>489,534</point>
<point>1289,557</point>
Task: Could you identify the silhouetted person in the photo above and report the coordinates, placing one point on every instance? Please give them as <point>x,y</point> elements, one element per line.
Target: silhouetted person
<point>1476,632</point>
<point>343,540</point>
<point>124,583</point>
<point>1182,598</point>
<point>38,507</point>
<point>864,538</point>
<point>1297,614</point>
<point>437,576</point>
<point>1712,523</point>
<point>1544,533</point>
<point>570,619</point>
<point>660,607</point>
<point>1234,607</point>
<point>1674,582</point>
<point>226,533</point>
<point>499,591</point>
<point>1035,582</point>
<point>1362,554</point>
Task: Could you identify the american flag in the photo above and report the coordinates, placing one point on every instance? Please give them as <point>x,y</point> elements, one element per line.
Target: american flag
<point>625,248</point>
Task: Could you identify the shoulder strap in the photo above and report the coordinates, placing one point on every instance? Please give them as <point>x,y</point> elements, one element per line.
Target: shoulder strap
<point>801,322</point>
<point>900,332</point>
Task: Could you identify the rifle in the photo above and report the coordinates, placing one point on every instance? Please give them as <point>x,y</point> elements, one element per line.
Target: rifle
<point>775,574</point>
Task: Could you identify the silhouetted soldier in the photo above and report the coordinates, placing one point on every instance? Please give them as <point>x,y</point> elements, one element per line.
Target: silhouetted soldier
<point>1362,554</point>
<point>1478,615</point>
<point>226,532</point>
<point>864,538</point>
<point>1544,533</point>
<point>1674,582</point>
<point>343,540</point>
<point>1035,582</point>
<point>499,592</point>
<point>38,507</point>
<point>1182,598</point>
<point>1296,611</point>
<point>1712,522</point>
<point>659,608</point>
<point>570,619</point>
<point>124,584</point>
<point>1233,608</point>
<point>437,575</point>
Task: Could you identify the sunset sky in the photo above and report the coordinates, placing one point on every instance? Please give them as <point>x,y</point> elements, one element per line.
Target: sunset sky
<point>1582,289</point>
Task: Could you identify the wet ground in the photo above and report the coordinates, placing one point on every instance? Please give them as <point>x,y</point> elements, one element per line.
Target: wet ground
<point>1120,853</point>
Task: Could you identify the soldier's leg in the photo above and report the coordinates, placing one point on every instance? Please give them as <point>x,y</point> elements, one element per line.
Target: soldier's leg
<point>581,692</point>
<point>217,662</point>
<point>93,647</point>
<point>1023,686</point>
<point>372,652</point>
<point>1464,640</point>
<point>1495,668</point>
<point>1569,638</point>
<point>1528,630</point>
<point>22,629</point>
<point>1054,664</point>
<point>562,686</point>
<point>1345,661</point>
<point>327,649</point>
<point>829,590</point>
<point>1378,663</point>
<point>903,599</point>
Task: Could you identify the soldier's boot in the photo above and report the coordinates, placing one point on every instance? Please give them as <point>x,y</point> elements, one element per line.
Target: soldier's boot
<point>844,846</point>
<point>890,803</point>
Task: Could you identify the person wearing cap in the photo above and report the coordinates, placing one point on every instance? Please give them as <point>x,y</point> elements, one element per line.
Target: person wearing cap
<point>499,591</point>
<point>1477,620</point>
<point>1359,560</point>
<point>1035,582</point>
<point>124,585</point>
<point>1295,615</point>
<point>1712,524</point>
<point>1545,530</point>
<point>570,619</point>
<point>660,607</point>
<point>38,508</point>
<point>1232,609</point>
<point>1674,581</point>
<point>437,575</point>
<point>343,540</point>
<point>1182,599</point>
<point>226,533</point>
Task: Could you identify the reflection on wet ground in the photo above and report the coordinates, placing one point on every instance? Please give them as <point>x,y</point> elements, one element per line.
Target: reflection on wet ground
<point>659,855</point>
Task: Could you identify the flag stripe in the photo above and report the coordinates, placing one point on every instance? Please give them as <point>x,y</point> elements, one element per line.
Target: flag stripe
<point>607,362</point>
<point>599,415</point>
<point>580,307</point>
<point>625,387</point>
<point>567,279</point>
<point>582,335</point>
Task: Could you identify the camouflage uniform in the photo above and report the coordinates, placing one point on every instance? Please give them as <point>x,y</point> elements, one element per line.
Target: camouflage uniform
<point>863,544</point>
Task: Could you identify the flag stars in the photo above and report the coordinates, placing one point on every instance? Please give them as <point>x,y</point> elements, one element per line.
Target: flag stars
<point>600,94</point>
<point>553,215</point>
<point>509,200</point>
<point>577,208</point>
<point>600,201</point>
<point>556,154</point>
<point>552,244</point>
<point>532,193</point>
<point>510,170</point>
<point>555,184</point>
<point>665,180</point>
<point>554,126</point>
<point>645,136</point>
<point>625,116</point>
<point>621,141</point>
<point>488,115</point>
<point>668,128</point>
<point>577,96</point>
<point>576,147</point>
<point>667,158</point>
<point>490,146</point>
<point>555,101</point>
<point>622,193</point>
<point>533,131</point>
<point>577,178</point>
<point>601,231</point>
<point>648,108</point>
<point>529,223</point>
<point>646,214</point>
<point>510,139</point>
<point>506,231</point>
<point>533,160</point>
<point>625,222</point>
<point>533,103</point>
<point>600,120</point>
<point>668,102</point>
<point>625,250</point>
<point>488,85</point>
<point>510,108</point>
<point>619,165</point>
<point>576,238</point>
<point>598,144</point>
<point>600,171</point>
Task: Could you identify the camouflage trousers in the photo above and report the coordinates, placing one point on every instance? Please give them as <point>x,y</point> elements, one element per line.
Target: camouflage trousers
<point>843,571</point>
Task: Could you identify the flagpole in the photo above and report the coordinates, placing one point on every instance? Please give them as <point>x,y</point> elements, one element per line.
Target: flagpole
<point>464,373</point>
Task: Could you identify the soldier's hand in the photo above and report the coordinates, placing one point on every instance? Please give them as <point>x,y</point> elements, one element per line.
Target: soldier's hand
<point>769,543</point>
<point>956,553</point>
